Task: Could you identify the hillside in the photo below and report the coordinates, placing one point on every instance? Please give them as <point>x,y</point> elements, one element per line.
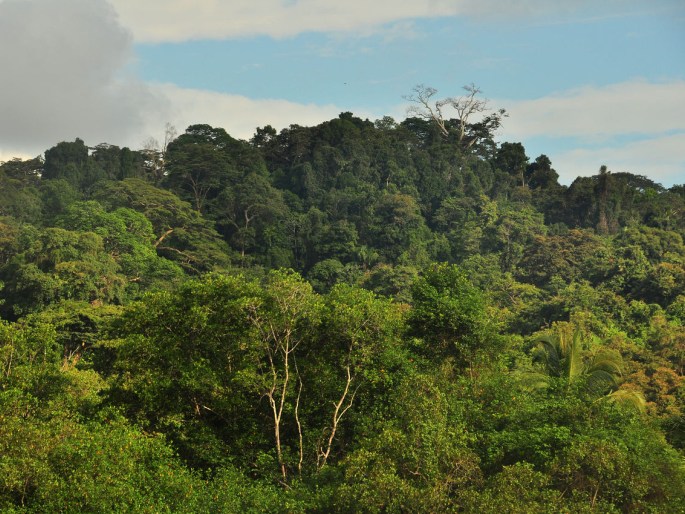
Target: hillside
<point>352,317</point>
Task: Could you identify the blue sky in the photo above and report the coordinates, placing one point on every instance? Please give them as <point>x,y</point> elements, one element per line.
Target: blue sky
<point>587,83</point>
<point>516,61</point>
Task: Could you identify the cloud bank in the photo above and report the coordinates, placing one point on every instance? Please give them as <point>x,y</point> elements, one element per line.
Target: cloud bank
<point>661,159</point>
<point>62,77</point>
<point>238,115</point>
<point>64,68</point>
<point>181,20</point>
<point>635,107</point>
<point>634,126</point>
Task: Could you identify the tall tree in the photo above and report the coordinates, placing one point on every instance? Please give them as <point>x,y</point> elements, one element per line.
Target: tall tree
<point>603,187</point>
<point>465,107</point>
<point>204,159</point>
<point>181,233</point>
<point>512,158</point>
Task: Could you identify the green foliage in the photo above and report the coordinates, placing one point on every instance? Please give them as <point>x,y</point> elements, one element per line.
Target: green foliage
<point>512,159</point>
<point>449,313</point>
<point>575,255</point>
<point>54,461</point>
<point>179,359</point>
<point>19,195</point>
<point>564,355</point>
<point>251,214</point>
<point>128,236</point>
<point>57,195</point>
<point>203,159</point>
<point>56,264</point>
<point>398,229</point>
<point>521,489</point>
<point>417,459</point>
<point>182,235</point>
<point>539,369</point>
<point>391,281</point>
<point>628,467</point>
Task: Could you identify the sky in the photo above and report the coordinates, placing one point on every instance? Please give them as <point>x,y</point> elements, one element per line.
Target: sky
<point>586,83</point>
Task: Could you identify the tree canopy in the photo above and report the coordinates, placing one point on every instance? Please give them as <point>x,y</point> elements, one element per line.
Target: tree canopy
<point>355,316</point>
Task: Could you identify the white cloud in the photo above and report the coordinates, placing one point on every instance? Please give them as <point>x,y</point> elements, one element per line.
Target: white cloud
<point>62,78</point>
<point>635,107</point>
<point>658,154</point>
<point>239,115</point>
<point>63,65</point>
<point>9,154</point>
<point>661,159</point>
<point>634,126</point>
<point>180,20</point>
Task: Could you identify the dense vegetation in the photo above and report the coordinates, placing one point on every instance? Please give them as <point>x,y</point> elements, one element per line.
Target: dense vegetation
<point>352,317</point>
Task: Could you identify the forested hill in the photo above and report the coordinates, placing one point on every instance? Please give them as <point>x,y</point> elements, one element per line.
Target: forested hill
<point>353,317</point>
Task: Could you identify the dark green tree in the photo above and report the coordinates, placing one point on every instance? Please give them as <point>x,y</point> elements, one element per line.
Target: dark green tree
<point>450,315</point>
<point>512,159</point>
<point>181,234</point>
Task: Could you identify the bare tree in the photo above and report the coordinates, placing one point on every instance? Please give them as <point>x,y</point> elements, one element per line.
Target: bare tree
<point>156,154</point>
<point>465,107</point>
<point>425,109</point>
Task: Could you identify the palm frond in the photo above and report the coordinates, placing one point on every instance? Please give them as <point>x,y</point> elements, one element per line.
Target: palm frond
<point>574,357</point>
<point>547,353</point>
<point>600,382</point>
<point>531,381</point>
<point>629,398</point>
<point>563,354</point>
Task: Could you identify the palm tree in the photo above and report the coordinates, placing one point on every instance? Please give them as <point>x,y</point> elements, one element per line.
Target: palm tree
<point>598,374</point>
<point>563,356</point>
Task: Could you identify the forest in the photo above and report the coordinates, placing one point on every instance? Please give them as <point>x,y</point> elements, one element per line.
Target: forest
<point>359,316</point>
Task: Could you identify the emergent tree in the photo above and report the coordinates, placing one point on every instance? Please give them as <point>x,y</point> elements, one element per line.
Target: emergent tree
<point>466,107</point>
